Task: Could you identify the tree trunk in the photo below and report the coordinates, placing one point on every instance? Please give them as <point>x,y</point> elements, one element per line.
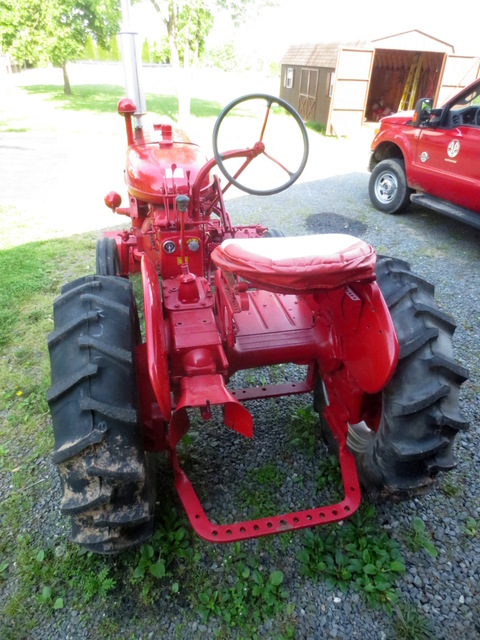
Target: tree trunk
<point>66,82</point>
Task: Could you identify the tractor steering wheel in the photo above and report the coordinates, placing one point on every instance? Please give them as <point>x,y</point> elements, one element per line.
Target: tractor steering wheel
<point>281,148</point>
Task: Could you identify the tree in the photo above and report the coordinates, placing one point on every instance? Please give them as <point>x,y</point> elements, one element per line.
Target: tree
<point>20,29</point>
<point>113,46</point>
<point>188,23</point>
<point>56,30</point>
<point>89,51</point>
<point>145,51</point>
<point>238,8</point>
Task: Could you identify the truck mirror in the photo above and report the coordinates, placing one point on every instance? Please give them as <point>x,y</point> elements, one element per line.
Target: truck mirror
<point>423,110</point>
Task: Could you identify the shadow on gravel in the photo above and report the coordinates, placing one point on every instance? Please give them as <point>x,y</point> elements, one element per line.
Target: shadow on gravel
<point>334,223</point>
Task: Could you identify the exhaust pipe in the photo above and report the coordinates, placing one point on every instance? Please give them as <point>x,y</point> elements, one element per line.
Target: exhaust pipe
<point>131,64</point>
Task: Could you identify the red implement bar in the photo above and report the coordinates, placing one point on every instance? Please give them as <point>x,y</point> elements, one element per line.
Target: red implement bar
<point>274,524</point>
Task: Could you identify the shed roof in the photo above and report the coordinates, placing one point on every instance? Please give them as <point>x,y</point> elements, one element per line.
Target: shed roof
<point>413,40</point>
<point>325,54</point>
<point>312,55</point>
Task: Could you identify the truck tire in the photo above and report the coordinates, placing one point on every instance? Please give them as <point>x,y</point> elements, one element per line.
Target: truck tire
<point>107,258</point>
<point>107,488</point>
<point>387,188</point>
<point>419,412</point>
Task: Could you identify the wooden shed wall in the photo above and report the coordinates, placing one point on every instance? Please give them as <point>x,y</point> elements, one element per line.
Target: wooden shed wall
<point>293,95</point>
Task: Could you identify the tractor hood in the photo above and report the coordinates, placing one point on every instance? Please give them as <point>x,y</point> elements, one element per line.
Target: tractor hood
<point>156,168</point>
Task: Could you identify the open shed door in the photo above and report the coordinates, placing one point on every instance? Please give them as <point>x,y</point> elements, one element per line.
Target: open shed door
<point>350,91</point>
<point>458,72</point>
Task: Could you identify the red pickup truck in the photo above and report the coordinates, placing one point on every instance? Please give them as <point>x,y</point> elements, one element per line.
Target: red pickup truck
<point>430,157</point>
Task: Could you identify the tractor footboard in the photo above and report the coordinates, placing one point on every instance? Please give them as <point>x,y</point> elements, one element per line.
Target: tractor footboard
<point>273,524</point>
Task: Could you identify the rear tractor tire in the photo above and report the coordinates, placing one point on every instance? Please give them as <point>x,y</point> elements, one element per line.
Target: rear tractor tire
<point>419,412</point>
<point>107,488</point>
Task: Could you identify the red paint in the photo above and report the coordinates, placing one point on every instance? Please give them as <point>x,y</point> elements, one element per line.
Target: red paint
<point>204,323</point>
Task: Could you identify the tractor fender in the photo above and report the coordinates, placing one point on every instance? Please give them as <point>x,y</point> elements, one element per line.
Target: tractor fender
<point>155,336</point>
<point>366,335</point>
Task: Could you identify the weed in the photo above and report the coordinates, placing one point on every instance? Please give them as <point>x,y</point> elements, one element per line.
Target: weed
<point>3,454</point>
<point>3,570</point>
<point>148,561</point>
<point>329,473</point>
<point>410,624</point>
<point>417,538</point>
<point>260,495</point>
<point>354,553</point>
<point>450,489</point>
<point>472,527</point>
<point>97,584</point>
<point>253,596</point>
<point>303,430</point>
<point>170,542</point>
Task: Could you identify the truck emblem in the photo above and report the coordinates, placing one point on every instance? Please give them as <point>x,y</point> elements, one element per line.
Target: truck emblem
<point>424,156</point>
<point>453,148</point>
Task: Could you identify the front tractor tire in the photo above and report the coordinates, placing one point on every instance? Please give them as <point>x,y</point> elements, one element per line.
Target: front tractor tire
<point>387,188</point>
<point>94,404</point>
<point>419,412</point>
<point>107,258</point>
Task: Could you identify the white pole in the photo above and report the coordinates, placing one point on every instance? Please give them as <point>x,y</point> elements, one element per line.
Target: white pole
<point>131,63</point>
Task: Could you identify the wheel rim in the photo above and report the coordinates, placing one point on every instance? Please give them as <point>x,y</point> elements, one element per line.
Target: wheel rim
<point>386,187</point>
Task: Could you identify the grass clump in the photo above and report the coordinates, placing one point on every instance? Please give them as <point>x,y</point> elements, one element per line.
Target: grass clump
<point>411,624</point>
<point>418,538</point>
<point>303,431</point>
<point>256,594</point>
<point>355,553</point>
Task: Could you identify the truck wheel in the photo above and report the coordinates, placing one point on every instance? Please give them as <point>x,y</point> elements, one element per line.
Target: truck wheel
<point>418,409</point>
<point>107,488</point>
<point>107,258</point>
<point>387,188</point>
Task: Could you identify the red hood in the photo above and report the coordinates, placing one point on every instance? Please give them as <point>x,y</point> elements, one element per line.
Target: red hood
<point>402,117</point>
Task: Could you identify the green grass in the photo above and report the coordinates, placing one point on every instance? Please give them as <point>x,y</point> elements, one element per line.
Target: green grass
<point>104,98</point>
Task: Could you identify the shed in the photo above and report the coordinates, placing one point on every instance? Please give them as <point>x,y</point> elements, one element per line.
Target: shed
<point>345,85</point>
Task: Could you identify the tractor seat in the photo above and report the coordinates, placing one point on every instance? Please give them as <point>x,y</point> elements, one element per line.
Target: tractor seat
<point>297,264</point>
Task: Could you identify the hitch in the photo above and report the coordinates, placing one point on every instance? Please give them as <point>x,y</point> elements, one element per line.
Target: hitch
<point>246,529</point>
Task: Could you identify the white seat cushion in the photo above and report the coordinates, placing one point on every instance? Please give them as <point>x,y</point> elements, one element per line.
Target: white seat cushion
<point>298,264</point>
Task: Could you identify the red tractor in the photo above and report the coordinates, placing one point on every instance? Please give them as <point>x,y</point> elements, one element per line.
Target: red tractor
<point>219,298</point>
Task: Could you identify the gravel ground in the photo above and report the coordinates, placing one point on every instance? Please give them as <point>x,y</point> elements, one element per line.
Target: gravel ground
<point>332,197</point>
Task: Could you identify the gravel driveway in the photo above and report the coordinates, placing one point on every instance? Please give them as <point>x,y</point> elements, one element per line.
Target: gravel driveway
<point>332,197</point>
